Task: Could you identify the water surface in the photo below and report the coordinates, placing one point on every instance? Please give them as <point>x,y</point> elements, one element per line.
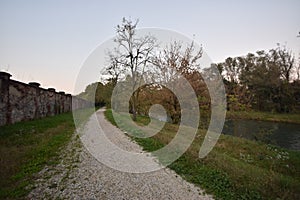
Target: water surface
<point>286,135</point>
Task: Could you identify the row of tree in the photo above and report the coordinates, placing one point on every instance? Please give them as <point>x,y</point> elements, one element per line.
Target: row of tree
<point>261,81</point>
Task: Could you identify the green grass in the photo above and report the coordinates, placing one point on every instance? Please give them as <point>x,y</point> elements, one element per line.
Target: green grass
<point>235,169</point>
<point>265,116</point>
<point>26,147</point>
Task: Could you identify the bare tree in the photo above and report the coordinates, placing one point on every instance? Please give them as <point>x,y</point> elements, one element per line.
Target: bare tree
<point>115,68</point>
<point>131,56</point>
<point>297,70</point>
<point>172,63</point>
<point>285,60</point>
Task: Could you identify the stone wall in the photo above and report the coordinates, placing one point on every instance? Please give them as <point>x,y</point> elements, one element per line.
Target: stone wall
<point>21,102</point>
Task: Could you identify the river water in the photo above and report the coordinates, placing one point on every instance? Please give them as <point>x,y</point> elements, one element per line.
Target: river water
<point>286,135</point>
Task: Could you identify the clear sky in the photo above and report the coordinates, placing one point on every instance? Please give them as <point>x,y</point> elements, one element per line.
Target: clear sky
<point>48,41</point>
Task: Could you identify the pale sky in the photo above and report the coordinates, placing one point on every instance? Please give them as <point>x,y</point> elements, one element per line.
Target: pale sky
<point>48,41</point>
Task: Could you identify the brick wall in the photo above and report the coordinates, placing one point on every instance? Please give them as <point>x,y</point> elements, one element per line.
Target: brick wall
<point>21,102</point>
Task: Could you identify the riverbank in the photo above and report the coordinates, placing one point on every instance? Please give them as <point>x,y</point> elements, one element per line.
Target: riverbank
<point>264,116</point>
<point>235,169</point>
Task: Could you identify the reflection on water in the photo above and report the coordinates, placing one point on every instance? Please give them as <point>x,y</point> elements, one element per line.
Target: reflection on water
<point>285,135</point>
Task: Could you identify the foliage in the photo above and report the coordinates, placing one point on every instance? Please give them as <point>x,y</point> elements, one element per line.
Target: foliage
<point>99,93</point>
<point>172,64</point>
<point>258,86</point>
<point>261,81</point>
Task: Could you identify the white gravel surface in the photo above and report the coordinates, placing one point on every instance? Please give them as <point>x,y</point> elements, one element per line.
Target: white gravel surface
<point>80,176</point>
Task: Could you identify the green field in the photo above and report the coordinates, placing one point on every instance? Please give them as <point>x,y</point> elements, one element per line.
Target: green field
<point>236,168</point>
<point>26,147</point>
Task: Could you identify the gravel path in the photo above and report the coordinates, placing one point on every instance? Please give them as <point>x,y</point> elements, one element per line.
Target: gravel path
<point>80,176</point>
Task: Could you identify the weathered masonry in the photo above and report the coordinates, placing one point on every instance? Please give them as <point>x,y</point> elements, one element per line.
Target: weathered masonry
<point>21,102</point>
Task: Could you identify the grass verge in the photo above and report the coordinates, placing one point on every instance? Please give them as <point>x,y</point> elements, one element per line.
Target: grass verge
<point>26,147</point>
<point>264,116</point>
<point>235,169</point>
